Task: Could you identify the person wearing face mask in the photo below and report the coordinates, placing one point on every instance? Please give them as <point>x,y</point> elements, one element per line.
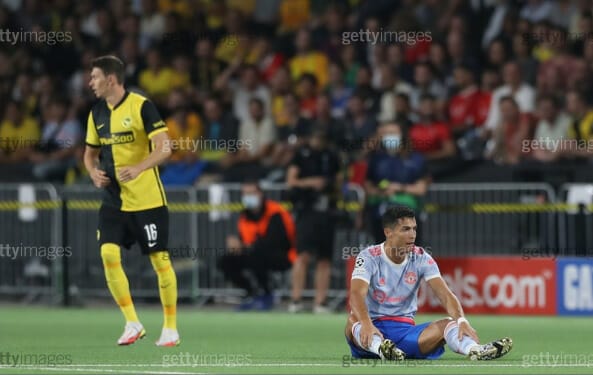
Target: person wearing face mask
<point>265,242</point>
<point>312,177</point>
<point>396,175</point>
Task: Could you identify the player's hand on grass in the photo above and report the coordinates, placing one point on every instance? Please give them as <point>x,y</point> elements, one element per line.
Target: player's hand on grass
<point>367,331</point>
<point>465,329</point>
<point>128,173</point>
<point>99,178</point>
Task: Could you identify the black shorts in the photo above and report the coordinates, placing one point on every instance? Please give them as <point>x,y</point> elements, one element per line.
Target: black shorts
<point>150,228</point>
<point>315,233</point>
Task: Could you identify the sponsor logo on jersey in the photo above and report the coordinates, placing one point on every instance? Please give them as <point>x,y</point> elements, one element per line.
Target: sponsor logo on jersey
<point>117,138</point>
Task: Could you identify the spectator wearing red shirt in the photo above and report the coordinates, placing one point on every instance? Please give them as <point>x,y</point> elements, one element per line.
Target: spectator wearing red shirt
<point>430,137</point>
<point>268,61</point>
<point>489,82</point>
<point>307,90</point>
<point>463,106</point>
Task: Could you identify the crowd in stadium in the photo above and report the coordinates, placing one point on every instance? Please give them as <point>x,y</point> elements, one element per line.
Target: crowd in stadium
<point>241,83</point>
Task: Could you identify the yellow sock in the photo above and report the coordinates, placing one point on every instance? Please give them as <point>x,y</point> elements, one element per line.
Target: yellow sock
<point>117,282</point>
<point>167,286</point>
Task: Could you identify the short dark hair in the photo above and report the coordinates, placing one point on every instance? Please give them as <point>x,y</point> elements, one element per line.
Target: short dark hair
<point>258,101</point>
<point>550,98</point>
<point>308,77</point>
<point>510,99</point>
<point>403,96</point>
<point>254,182</point>
<point>110,65</point>
<point>394,213</point>
<point>427,96</point>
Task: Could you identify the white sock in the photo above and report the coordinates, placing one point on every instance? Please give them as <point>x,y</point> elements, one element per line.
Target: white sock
<point>375,344</point>
<point>451,337</point>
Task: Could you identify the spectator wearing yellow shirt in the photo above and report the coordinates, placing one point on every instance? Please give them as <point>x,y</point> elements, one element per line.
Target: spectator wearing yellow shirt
<point>181,72</point>
<point>183,124</point>
<point>19,134</point>
<point>244,6</point>
<point>234,45</point>
<point>181,7</point>
<point>307,60</point>
<point>581,128</point>
<point>185,131</point>
<point>156,80</point>
<point>281,85</point>
<point>294,14</point>
<point>206,67</point>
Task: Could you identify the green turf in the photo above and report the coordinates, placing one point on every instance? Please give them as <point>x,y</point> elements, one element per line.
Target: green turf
<point>227,342</point>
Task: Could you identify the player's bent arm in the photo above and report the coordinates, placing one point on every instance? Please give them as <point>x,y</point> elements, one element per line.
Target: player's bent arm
<point>358,291</point>
<point>91,158</point>
<point>161,152</point>
<point>448,300</point>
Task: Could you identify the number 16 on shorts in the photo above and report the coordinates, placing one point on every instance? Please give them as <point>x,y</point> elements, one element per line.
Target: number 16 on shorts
<point>151,234</point>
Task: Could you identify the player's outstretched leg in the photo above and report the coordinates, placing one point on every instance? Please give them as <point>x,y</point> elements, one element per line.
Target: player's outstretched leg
<point>468,347</point>
<point>384,348</point>
<point>118,285</point>
<point>491,350</point>
<point>168,292</point>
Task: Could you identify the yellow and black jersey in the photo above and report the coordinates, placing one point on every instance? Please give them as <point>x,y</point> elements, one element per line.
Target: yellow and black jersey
<point>124,132</point>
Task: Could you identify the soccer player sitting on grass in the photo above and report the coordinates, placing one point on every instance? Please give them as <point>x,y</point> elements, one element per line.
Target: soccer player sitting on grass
<point>383,299</point>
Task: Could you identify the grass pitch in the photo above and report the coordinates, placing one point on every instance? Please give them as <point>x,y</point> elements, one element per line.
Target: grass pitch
<point>78,341</point>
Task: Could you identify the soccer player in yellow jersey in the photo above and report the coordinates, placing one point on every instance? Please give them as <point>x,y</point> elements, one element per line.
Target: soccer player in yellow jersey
<point>126,140</point>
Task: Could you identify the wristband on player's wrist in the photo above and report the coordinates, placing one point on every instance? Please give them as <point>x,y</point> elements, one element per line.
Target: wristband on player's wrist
<point>461,320</point>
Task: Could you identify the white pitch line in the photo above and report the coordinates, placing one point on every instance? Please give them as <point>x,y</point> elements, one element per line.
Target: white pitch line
<point>104,370</point>
<point>348,364</point>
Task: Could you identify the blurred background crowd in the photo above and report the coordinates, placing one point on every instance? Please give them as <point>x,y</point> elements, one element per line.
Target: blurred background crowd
<point>245,82</point>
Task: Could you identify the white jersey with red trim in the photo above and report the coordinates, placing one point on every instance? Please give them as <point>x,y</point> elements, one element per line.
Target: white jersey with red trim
<point>393,288</point>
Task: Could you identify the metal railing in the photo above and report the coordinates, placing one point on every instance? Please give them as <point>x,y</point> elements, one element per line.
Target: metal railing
<point>459,219</point>
<point>30,238</point>
<point>576,221</point>
<point>488,218</point>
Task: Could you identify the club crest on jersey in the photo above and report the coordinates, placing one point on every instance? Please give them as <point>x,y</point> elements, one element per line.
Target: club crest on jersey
<point>126,122</point>
<point>381,281</point>
<point>375,251</point>
<point>410,277</point>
